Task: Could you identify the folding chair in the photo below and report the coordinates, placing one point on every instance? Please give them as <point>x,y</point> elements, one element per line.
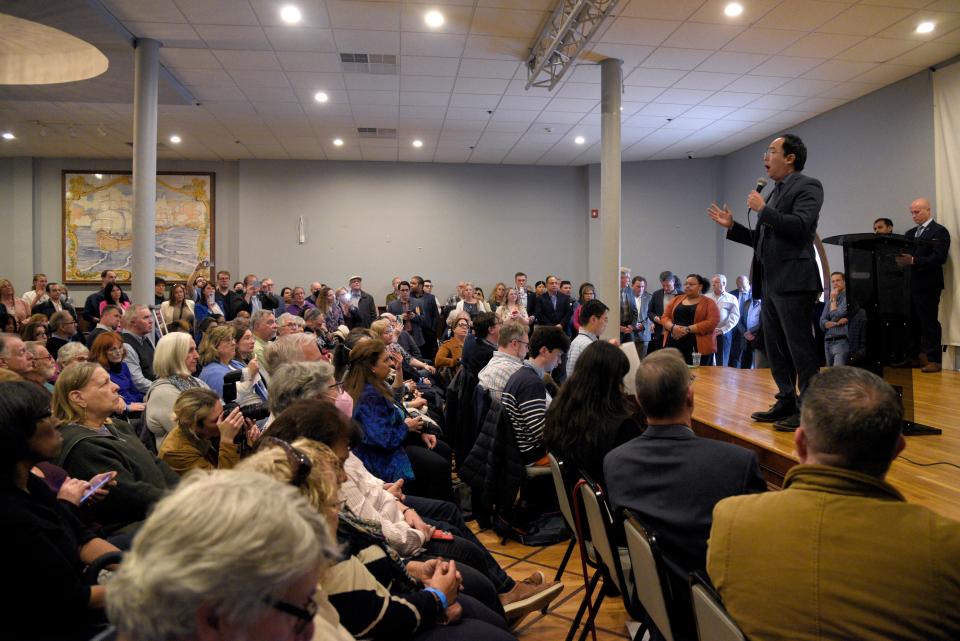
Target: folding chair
<point>713,622</point>
<point>562,488</point>
<point>653,589</point>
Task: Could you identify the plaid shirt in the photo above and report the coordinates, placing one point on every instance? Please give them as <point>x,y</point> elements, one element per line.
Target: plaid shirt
<point>498,371</point>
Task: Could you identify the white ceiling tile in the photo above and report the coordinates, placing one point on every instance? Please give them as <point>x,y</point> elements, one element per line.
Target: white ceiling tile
<point>577,105</point>
<point>928,54</point>
<point>206,77</point>
<point>821,45</point>
<point>431,44</point>
<point>475,68</point>
<point>631,55</point>
<point>637,31</point>
<point>233,37</point>
<point>701,111</point>
<point>474,100</point>
<point>654,77</point>
<point>756,84</point>
<point>378,153</point>
<point>465,125</point>
<point>188,58</point>
<point>384,115</point>
<point>684,96</point>
<point>362,41</point>
<point>528,154</point>
<point>951,38</point>
<point>667,58</point>
<point>363,15</point>
<point>786,66</point>
<point>641,94</point>
<point>455,19</point>
<point>434,115</point>
<point>289,113</point>
<point>575,90</point>
<point>513,115</point>
<point>269,94</point>
<point>805,87</point>
<point>498,139</point>
<point>886,74</point>
<point>907,28</point>
<point>730,99</point>
<point>313,13</point>
<point>426,83</point>
<point>688,123</point>
<point>877,50</point>
<point>481,85</point>
<point>487,156</point>
<point>535,103</point>
<point>371,82</point>
<point>308,61</point>
<point>423,98</point>
<point>218,12</point>
<point>732,62</point>
<point>767,41</point>
<point>428,66</point>
<point>145,10</point>
<point>553,116</point>
<point>661,9</point>
<point>752,115</point>
<point>252,60</point>
<point>494,48</point>
<point>851,90</point>
<point>665,110</point>
<point>265,79</point>
<point>712,11</point>
<point>839,70</point>
<point>819,104</point>
<point>451,155</point>
<point>584,73</point>
<point>705,80</point>
<point>374,98</point>
<point>170,34</point>
<point>862,20</point>
<point>507,23</point>
<point>939,5</point>
<point>774,101</point>
<point>694,35</point>
<point>801,15</point>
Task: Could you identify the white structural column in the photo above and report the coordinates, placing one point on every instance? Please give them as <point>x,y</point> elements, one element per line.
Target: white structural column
<point>147,68</point>
<point>609,281</point>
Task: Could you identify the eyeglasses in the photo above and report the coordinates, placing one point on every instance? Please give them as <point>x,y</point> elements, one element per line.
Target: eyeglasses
<point>115,350</point>
<point>304,614</point>
<point>522,342</point>
<point>769,152</point>
<point>298,461</point>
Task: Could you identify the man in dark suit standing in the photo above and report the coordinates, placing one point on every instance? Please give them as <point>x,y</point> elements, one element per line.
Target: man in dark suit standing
<point>658,302</point>
<point>408,311</point>
<point>429,316</point>
<point>628,307</point>
<point>362,301</point>
<point>738,344</point>
<point>785,273</point>
<point>926,261</point>
<point>553,307</point>
<point>668,475</point>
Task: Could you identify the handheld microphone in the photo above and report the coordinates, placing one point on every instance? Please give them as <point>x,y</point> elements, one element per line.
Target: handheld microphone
<point>761,183</point>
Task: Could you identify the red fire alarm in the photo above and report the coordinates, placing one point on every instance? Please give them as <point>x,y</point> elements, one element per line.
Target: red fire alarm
<point>594,213</point>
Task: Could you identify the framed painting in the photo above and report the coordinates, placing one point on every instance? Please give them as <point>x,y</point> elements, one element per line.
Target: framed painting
<point>98,224</point>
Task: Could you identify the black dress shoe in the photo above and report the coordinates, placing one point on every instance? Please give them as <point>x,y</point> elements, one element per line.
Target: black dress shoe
<point>789,424</point>
<point>775,413</point>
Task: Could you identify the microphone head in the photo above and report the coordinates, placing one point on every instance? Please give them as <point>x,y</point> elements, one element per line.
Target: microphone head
<point>761,183</point>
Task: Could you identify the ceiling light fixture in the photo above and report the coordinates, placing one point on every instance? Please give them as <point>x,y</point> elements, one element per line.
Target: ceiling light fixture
<point>290,14</point>
<point>733,9</point>
<point>579,140</point>
<point>175,139</point>
<point>417,143</point>
<point>338,142</point>
<point>925,27</point>
<point>434,19</point>
<point>320,96</point>
<point>8,135</point>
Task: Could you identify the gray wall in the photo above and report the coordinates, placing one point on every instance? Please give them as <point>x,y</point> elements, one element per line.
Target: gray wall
<point>874,155</point>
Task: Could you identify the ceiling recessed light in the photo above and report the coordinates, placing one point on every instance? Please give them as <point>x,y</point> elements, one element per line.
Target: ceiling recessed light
<point>338,142</point>
<point>434,19</point>
<point>321,96</point>
<point>290,14</point>
<point>175,139</point>
<point>417,143</point>
<point>733,9</point>
<point>925,27</point>
<point>579,140</point>
<point>8,135</point>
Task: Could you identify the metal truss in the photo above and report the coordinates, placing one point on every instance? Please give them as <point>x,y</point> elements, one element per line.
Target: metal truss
<point>570,27</point>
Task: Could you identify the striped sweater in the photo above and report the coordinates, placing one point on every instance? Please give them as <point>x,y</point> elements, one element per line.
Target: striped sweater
<point>525,399</point>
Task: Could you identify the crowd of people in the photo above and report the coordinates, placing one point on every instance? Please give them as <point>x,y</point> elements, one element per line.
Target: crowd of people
<point>288,461</point>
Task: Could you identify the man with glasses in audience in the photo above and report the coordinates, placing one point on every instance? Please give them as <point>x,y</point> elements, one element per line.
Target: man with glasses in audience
<point>14,355</point>
<point>511,350</point>
<point>63,329</point>
<point>138,346</point>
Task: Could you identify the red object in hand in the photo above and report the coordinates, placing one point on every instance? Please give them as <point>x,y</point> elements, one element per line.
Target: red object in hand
<point>440,535</point>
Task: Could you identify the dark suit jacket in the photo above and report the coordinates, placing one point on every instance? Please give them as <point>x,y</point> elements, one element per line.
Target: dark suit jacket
<point>926,274</point>
<point>429,314</point>
<point>47,309</point>
<point>367,308</point>
<point>628,313</point>
<point>788,265</point>
<point>395,307</point>
<point>239,303</point>
<point>672,479</point>
<point>546,315</point>
<point>656,308</point>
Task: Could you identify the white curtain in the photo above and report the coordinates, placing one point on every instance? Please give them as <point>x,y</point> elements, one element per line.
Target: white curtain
<point>946,122</point>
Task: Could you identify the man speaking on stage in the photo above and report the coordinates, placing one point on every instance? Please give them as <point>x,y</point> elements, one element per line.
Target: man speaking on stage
<point>784,272</point>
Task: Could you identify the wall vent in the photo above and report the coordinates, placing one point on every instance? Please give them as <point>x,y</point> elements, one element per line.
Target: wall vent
<point>375,63</point>
<point>381,133</point>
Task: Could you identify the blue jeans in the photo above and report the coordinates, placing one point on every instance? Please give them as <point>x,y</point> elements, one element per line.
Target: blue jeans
<point>837,352</point>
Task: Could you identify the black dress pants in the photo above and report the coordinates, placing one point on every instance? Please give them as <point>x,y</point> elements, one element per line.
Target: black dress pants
<point>925,334</point>
<point>790,342</point>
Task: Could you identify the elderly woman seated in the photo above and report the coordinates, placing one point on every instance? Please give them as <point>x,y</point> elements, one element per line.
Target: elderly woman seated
<point>218,351</point>
<point>84,399</point>
<point>230,555</point>
<point>72,353</point>
<point>48,546</point>
<point>374,593</point>
<point>174,364</point>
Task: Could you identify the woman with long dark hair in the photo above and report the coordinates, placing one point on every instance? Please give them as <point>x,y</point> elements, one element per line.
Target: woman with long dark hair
<point>589,417</point>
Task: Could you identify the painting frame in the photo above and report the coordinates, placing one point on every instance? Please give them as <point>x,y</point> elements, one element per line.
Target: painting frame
<point>73,246</point>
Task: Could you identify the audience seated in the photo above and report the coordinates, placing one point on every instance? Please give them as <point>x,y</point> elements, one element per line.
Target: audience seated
<point>91,307</point>
<point>448,356</point>
<point>589,416</point>
<point>525,397</point>
<point>14,355</point>
<point>690,319</point>
<point>38,294</point>
<point>290,349</point>
<point>137,332</point>
<point>478,352</point>
<point>72,353</point>
<point>594,322</point>
<point>839,553</point>
<point>199,420</point>
<point>44,370</point>
<point>299,303</point>
<point>109,322</point>
<point>108,352</point>
<point>54,302</point>
<point>218,357</point>
<point>63,329</point>
<point>48,546</point>
<point>113,295</point>
<point>178,307</point>
<point>174,364</point>
<point>84,399</point>
<point>207,304</point>
<point>11,304</point>
<point>288,323</point>
<point>230,555</point>
<point>670,477</point>
<point>263,325</point>
<point>512,345</point>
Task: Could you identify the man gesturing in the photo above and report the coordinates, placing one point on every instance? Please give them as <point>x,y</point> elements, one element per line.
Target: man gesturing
<point>785,272</point>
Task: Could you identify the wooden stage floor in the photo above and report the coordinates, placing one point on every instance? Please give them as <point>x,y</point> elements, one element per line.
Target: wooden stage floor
<point>725,397</point>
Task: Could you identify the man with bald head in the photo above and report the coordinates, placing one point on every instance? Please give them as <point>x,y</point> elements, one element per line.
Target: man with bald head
<point>925,260</point>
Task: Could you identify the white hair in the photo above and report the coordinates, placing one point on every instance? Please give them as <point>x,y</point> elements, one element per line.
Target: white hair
<point>454,316</point>
<point>286,349</point>
<point>231,540</point>
<point>70,352</point>
<point>293,381</point>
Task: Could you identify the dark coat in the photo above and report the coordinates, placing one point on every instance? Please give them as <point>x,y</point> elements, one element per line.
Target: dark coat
<point>494,469</point>
<point>547,315</point>
<point>395,307</point>
<point>926,274</point>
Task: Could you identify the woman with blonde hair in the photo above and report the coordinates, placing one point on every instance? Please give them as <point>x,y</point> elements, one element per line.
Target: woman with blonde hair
<point>218,356</point>
<point>470,303</point>
<point>16,307</point>
<point>498,296</point>
<point>84,399</point>
<point>512,310</point>
<point>200,419</point>
<point>174,362</point>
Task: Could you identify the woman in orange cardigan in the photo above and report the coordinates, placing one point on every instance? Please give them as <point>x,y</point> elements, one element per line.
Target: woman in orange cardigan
<point>689,321</point>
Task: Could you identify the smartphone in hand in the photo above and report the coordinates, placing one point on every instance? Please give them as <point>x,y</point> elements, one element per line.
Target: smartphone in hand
<point>96,483</point>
